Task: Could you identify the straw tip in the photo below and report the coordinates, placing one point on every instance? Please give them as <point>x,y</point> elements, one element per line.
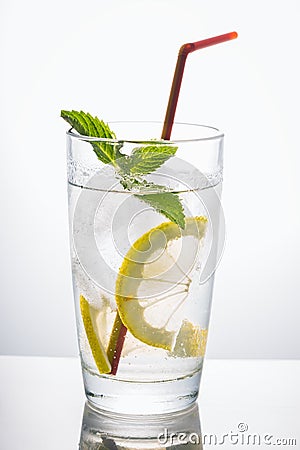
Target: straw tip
<point>234,35</point>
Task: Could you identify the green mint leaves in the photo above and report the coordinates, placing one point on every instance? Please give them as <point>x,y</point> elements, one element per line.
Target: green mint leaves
<point>142,161</point>
<point>145,160</point>
<point>88,125</point>
<point>168,204</point>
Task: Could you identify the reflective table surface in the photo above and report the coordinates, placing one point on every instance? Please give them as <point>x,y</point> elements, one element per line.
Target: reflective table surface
<point>242,404</point>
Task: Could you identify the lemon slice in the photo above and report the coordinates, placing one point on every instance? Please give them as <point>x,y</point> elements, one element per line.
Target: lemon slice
<point>90,317</point>
<point>190,341</point>
<point>153,280</point>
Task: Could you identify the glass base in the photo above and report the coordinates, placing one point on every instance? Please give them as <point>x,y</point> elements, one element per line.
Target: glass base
<point>121,431</point>
<point>128,397</point>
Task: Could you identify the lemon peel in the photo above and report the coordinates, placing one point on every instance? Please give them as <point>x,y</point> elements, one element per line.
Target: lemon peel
<point>89,317</point>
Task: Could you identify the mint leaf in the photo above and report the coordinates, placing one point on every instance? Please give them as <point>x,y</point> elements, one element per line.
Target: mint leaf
<point>76,121</point>
<point>145,160</point>
<point>87,125</point>
<point>166,203</point>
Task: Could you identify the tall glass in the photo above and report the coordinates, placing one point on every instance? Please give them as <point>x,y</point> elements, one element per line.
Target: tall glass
<point>145,243</point>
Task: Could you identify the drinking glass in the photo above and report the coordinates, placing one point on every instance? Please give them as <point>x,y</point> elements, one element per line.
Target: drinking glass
<point>146,234</point>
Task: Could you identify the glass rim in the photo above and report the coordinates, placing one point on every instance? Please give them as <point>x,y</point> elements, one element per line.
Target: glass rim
<point>218,135</point>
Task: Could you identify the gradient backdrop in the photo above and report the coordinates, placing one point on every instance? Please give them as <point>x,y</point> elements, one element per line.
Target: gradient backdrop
<point>116,59</point>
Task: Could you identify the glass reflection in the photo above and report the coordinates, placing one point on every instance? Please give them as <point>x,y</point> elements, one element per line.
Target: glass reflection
<point>104,430</point>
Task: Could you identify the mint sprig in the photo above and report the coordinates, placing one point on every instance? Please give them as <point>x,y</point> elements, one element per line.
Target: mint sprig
<point>142,161</point>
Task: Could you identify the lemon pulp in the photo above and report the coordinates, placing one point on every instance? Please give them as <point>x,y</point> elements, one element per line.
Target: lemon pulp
<point>190,341</point>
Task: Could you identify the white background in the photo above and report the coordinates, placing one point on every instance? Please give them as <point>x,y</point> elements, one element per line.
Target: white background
<point>116,59</point>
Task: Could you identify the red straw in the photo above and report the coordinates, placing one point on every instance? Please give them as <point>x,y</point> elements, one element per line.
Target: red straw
<point>118,349</point>
<point>116,346</point>
<point>177,79</point>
